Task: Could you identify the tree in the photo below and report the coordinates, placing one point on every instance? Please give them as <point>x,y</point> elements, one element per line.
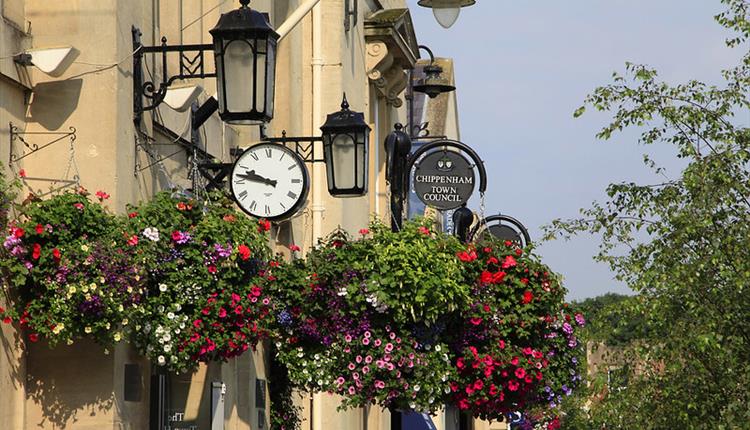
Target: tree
<point>688,246</point>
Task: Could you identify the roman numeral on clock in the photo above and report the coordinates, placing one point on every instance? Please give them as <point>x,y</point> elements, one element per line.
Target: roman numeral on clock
<point>268,210</point>
<point>243,195</point>
<point>268,152</point>
<point>291,195</point>
<point>253,205</point>
<point>254,155</point>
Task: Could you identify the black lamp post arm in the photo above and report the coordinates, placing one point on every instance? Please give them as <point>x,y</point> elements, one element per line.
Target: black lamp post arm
<point>191,65</point>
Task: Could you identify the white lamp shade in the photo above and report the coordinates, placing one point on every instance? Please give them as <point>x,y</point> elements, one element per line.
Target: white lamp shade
<point>53,61</point>
<point>446,16</point>
<point>180,98</point>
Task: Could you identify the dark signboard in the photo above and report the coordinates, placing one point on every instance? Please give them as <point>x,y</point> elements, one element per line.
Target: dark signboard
<point>444,180</point>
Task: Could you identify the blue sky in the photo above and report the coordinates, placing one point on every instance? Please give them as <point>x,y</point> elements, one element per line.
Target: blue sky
<point>524,66</point>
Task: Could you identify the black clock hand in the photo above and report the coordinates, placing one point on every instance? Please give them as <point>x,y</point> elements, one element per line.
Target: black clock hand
<point>252,176</point>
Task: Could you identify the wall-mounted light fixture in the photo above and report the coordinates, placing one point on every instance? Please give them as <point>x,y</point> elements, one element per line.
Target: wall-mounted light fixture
<point>433,83</point>
<point>446,11</point>
<point>180,98</point>
<point>346,137</point>
<point>244,51</point>
<point>52,61</point>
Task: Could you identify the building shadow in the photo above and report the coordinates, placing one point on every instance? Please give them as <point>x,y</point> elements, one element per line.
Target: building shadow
<point>54,102</point>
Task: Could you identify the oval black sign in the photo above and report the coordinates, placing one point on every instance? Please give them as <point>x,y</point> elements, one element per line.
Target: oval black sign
<point>444,180</point>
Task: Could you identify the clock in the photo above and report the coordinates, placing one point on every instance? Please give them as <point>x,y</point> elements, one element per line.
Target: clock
<point>270,181</point>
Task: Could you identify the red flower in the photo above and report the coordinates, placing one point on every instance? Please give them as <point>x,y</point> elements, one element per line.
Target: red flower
<point>238,310</point>
<point>132,214</point>
<point>525,281</point>
<point>7,320</point>
<point>501,344</point>
<point>264,225</point>
<point>102,195</point>
<point>133,240</point>
<point>509,262</point>
<point>37,251</point>
<point>229,218</point>
<point>222,313</point>
<point>364,232</point>
<point>486,277</point>
<point>197,323</point>
<point>519,251</point>
<point>294,248</point>
<point>255,291</point>
<point>33,337</point>
<point>476,321</point>
<point>2,310</point>
<point>527,297</point>
<point>513,385</point>
<point>56,254</point>
<point>467,257</point>
<point>478,384</point>
<point>39,229</point>
<point>244,252</point>
<point>78,206</point>
<point>520,373</point>
<point>424,230</point>
<point>18,233</point>
<point>194,337</point>
<point>181,206</point>
<point>212,269</point>
<point>22,173</point>
<point>498,277</point>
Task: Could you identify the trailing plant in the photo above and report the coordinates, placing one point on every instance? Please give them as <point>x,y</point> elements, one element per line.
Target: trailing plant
<point>203,262</point>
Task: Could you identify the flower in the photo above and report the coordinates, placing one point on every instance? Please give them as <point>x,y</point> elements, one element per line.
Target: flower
<point>56,254</point>
<point>580,320</point>
<point>424,230</point>
<point>528,296</point>
<point>244,251</point>
<point>364,232</point>
<point>78,206</point>
<point>151,233</point>
<point>132,214</point>
<point>101,195</point>
<point>520,373</point>
<point>37,252</point>
<point>264,225</point>
<point>294,248</point>
<point>180,237</point>
<point>133,240</point>
<point>39,229</point>
<point>509,262</point>
<point>467,257</point>
<point>33,337</point>
<point>22,173</point>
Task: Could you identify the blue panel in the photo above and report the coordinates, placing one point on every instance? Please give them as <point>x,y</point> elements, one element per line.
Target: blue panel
<point>417,421</point>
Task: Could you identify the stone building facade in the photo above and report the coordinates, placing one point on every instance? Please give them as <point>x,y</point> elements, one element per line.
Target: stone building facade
<point>89,106</point>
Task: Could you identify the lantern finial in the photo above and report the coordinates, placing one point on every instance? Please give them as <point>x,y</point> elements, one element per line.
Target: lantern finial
<point>244,3</point>
<point>344,103</point>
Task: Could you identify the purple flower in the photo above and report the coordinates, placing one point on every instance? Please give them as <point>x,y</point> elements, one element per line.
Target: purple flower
<point>580,320</point>
<point>567,328</point>
<point>223,252</point>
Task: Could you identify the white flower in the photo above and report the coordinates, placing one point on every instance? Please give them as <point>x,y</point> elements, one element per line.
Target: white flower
<point>151,233</point>
<point>161,360</point>
<point>342,292</point>
<point>162,287</point>
<point>437,348</point>
<point>417,387</point>
<point>167,348</point>
<point>167,337</point>
<point>170,315</point>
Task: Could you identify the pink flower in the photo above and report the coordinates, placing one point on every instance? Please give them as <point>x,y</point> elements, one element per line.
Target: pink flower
<point>368,359</point>
<point>364,232</point>
<point>294,248</point>
<point>222,313</point>
<point>366,341</point>
<point>365,370</point>
<point>348,338</point>
<point>352,366</point>
<point>379,385</point>
<point>133,241</point>
<point>358,359</point>
<point>501,344</point>
<point>352,391</point>
<point>378,342</point>
<point>340,380</point>
<point>388,347</point>
<point>78,206</point>
<point>424,230</point>
<point>102,195</point>
<point>520,373</point>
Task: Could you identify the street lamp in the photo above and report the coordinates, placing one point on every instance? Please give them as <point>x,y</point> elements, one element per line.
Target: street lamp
<point>244,49</point>
<point>433,83</point>
<point>245,55</point>
<point>346,137</point>
<point>446,11</point>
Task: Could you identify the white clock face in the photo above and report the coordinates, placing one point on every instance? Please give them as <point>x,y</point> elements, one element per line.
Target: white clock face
<point>270,181</point>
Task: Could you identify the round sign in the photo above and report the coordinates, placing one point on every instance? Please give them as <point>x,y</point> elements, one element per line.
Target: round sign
<point>444,180</point>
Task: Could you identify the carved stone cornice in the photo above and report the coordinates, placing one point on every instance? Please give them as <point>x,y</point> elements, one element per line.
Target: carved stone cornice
<point>391,50</point>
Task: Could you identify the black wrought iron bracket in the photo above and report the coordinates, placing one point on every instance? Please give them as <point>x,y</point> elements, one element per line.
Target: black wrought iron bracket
<point>304,146</point>
<point>16,135</point>
<point>191,65</point>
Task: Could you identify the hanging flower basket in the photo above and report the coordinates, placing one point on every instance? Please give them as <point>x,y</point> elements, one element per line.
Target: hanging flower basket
<point>414,320</point>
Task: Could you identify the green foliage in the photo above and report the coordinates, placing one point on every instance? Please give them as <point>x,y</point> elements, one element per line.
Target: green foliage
<point>689,247</point>
<point>612,319</point>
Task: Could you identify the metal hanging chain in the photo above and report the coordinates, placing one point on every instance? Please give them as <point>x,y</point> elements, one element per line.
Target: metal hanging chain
<point>157,161</point>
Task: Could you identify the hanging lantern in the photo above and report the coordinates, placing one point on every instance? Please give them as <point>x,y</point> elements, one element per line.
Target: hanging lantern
<point>346,137</point>
<point>446,11</point>
<point>245,55</point>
